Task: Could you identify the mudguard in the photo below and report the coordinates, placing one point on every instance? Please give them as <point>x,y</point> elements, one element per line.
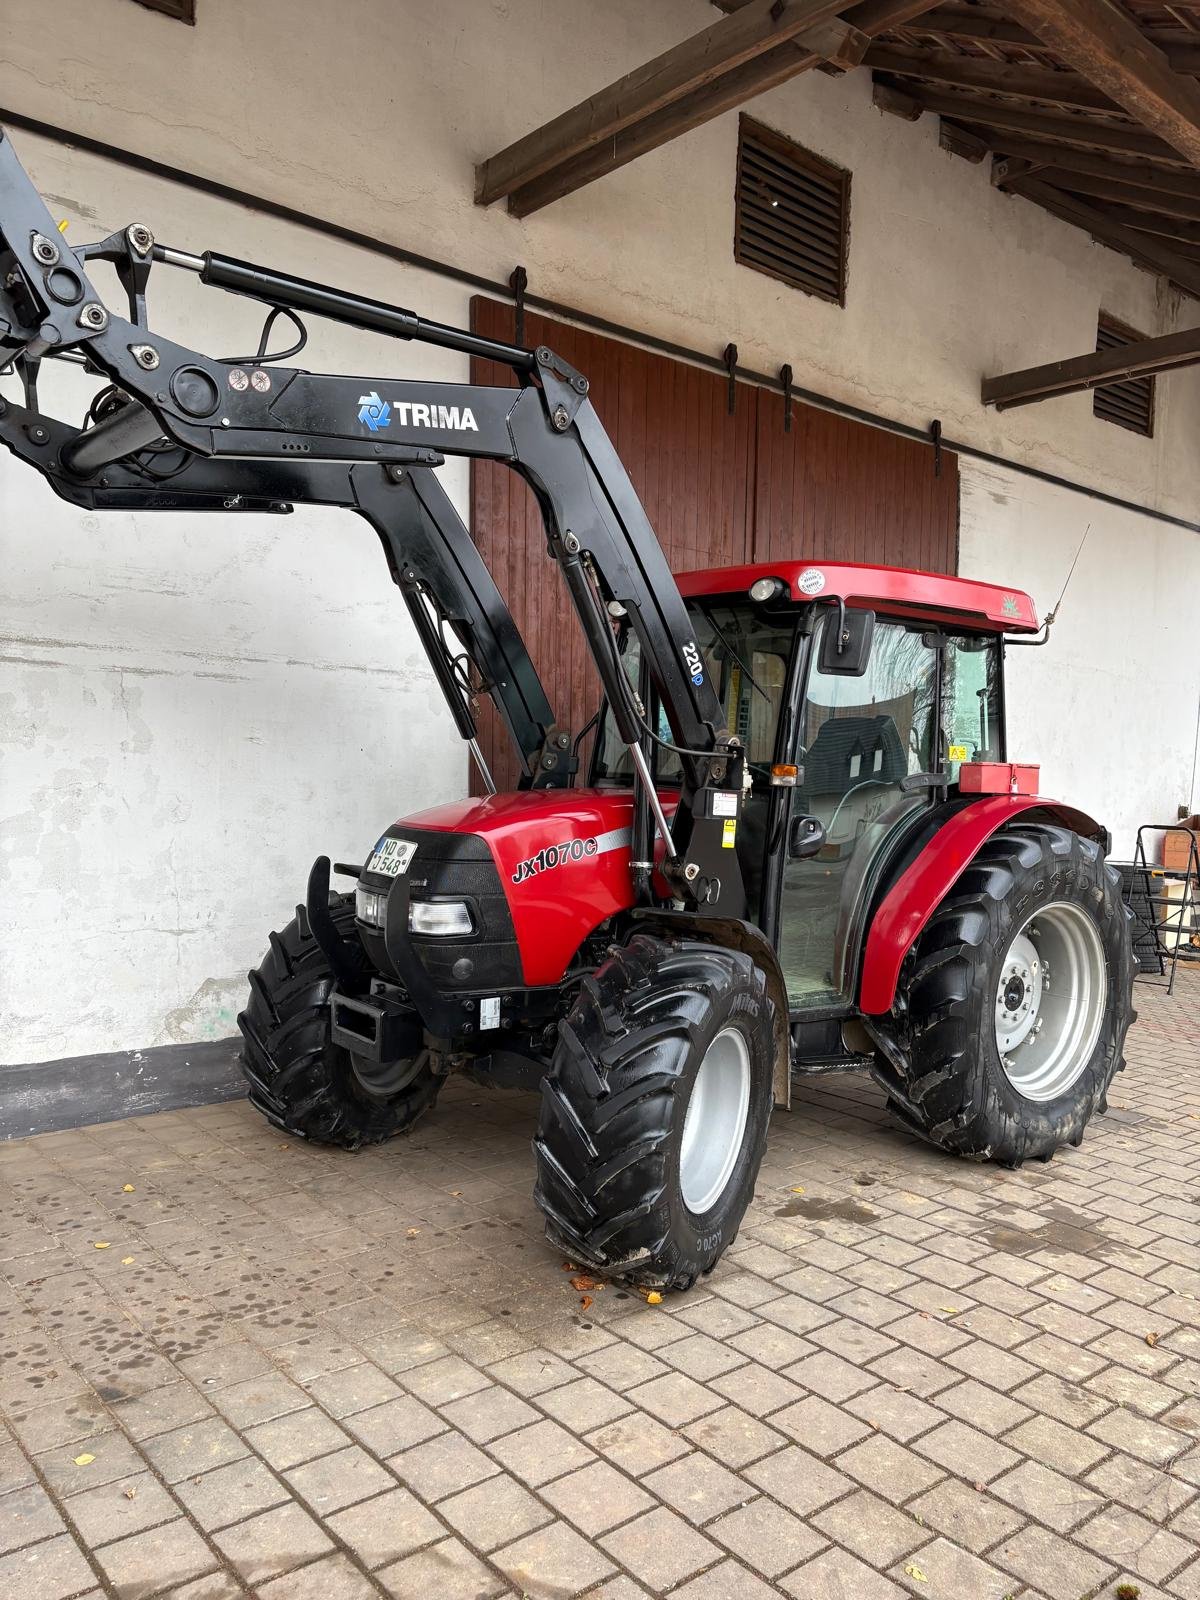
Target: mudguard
<point>924,884</point>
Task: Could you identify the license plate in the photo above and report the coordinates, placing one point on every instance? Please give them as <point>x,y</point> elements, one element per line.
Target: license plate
<point>391,857</point>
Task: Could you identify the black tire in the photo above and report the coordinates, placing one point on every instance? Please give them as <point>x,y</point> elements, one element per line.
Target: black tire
<point>615,1100</point>
<point>299,1079</point>
<point>956,1092</point>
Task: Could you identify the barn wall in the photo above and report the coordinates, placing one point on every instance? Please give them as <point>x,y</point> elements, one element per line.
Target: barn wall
<point>191,709</point>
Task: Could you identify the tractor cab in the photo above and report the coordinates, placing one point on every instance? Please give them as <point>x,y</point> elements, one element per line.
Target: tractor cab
<point>848,749</point>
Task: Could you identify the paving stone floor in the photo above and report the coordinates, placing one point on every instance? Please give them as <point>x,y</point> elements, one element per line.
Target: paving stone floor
<point>231,1363</point>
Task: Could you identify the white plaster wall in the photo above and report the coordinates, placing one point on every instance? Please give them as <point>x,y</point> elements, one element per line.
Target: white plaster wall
<point>375,112</point>
<point>1111,705</point>
<point>192,708</point>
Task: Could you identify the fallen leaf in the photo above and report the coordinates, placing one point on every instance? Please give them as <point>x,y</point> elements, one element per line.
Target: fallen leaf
<point>797,1191</point>
<point>916,1574</point>
<point>1152,1339</point>
<point>412,1233</point>
<point>569,1266</point>
<point>127,1261</point>
<point>951,1311</point>
<point>101,1244</point>
<point>457,1193</point>
<point>128,1189</point>
<point>131,1491</point>
<point>654,1298</point>
<point>586,1301</point>
<point>84,1460</point>
<point>583,1283</point>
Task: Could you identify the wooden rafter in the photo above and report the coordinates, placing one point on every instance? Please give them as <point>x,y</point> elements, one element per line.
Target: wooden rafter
<point>688,67</point>
<point>1131,197</point>
<point>1093,370</point>
<point>1091,134</point>
<point>1148,251</point>
<point>1156,178</point>
<point>1100,41</point>
<point>973,27</point>
<point>1178,230</point>
<point>586,143</point>
<point>1003,77</point>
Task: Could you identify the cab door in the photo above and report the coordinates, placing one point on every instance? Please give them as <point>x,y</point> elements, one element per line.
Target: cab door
<point>858,740</point>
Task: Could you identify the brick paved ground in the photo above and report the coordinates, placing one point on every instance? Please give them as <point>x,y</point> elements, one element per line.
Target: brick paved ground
<point>268,1368</point>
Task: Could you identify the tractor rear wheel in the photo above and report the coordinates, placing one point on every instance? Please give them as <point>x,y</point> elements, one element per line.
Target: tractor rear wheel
<point>1014,1003</point>
<point>299,1079</point>
<point>655,1110</point>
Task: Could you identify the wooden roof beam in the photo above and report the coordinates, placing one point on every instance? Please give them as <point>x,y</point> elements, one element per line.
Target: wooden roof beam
<point>1038,125</point>
<point>1131,197</point>
<point>697,62</point>
<point>1003,77</point>
<point>1146,250</point>
<point>1101,42</point>
<point>946,23</point>
<point>1092,371</point>
<point>1157,179</point>
<point>837,40</point>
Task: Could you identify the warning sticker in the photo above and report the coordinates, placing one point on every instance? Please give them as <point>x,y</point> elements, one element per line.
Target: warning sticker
<point>728,833</point>
<point>958,752</point>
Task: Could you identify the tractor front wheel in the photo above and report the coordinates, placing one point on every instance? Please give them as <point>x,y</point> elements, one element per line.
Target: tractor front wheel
<point>1014,1003</point>
<point>299,1079</point>
<point>655,1110</point>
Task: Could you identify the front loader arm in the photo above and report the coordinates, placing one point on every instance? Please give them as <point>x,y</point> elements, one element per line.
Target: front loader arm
<point>181,429</point>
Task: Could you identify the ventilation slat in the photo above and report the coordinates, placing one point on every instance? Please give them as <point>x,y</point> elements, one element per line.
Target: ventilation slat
<point>1129,403</point>
<point>792,213</point>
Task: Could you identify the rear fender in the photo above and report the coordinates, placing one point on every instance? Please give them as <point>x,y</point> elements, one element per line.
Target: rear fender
<point>736,934</point>
<point>925,882</point>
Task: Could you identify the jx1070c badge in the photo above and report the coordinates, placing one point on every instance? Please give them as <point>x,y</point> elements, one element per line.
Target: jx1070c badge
<point>560,855</point>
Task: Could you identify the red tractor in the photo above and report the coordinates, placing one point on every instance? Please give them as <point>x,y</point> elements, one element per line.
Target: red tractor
<point>800,845</point>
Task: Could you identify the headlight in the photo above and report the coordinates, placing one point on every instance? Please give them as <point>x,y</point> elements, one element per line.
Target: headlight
<point>441,917</point>
<point>370,907</point>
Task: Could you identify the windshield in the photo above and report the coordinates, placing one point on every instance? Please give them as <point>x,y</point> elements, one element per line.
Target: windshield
<point>747,655</point>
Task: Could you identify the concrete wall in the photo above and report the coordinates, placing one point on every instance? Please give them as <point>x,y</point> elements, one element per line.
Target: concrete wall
<point>205,704</point>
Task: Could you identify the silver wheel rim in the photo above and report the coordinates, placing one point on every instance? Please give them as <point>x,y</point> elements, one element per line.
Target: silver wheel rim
<point>1050,1000</point>
<point>715,1121</point>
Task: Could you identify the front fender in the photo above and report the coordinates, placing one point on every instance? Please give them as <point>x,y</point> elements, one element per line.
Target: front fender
<point>925,882</point>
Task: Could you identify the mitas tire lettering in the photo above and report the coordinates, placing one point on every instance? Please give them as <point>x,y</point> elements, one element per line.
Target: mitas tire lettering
<point>555,855</point>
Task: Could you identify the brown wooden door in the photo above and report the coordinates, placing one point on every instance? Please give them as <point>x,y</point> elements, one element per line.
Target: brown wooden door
<point>690,461</point>
<point>720,489</point>
<point>834,489</point>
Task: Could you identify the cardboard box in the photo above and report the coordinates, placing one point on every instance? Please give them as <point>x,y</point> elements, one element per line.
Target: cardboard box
<point>1175,844</point>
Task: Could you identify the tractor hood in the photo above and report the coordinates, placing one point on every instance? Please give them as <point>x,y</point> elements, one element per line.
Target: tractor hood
<point>562,856</point>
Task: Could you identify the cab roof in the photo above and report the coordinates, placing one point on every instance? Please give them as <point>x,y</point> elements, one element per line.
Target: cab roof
<point>898,591</point>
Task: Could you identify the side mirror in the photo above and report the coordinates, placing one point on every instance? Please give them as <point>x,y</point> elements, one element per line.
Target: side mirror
<point>846,643</point>
<point>805,837</point>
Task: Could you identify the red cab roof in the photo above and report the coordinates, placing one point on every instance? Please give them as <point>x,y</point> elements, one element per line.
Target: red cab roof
<point>928,596</point>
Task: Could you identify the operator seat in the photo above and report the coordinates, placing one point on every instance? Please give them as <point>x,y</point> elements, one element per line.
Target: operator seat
<point>847,768</point>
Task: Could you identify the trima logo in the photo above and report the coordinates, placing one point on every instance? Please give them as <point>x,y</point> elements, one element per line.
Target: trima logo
<point>373,412</point>
<point>376,413</point>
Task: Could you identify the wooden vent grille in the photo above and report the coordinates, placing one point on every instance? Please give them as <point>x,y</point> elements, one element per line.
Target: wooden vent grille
<point>1130,403</point>
<point>792,213</point>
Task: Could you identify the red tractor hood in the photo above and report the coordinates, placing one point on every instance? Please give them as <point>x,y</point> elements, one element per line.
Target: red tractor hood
<point>562,856</point>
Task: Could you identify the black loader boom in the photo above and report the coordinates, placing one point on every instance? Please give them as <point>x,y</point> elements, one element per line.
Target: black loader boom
<point>180,430</point>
